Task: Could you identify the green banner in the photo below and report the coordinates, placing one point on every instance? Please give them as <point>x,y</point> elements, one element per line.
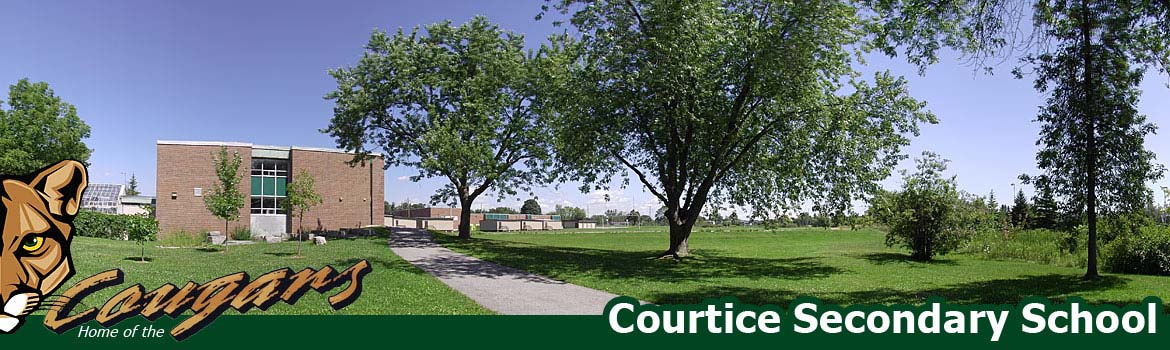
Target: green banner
<point>531,332</point>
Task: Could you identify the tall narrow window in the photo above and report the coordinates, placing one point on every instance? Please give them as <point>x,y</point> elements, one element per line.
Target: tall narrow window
<point>269,179</point>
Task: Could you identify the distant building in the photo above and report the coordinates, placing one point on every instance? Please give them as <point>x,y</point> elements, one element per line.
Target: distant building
<point>102,198</point>
<point>112,199</point>
<point>452,213</point>
<point>136,205</point>
<point>351,195</point>
<point>580,224</point>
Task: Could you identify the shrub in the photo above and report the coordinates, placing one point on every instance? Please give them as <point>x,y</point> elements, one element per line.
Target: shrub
<point>242,234</point>
<point>925,215</point>
<point>182,238</point>
<point>1145,252</point>
<point>110,226</point>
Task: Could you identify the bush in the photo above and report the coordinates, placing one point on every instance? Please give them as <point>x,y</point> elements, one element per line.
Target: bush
<point>925,215</point>
<point>182,238</point>
<point>110,226</point>
<point>1145,252</point>
<point>242,234</point>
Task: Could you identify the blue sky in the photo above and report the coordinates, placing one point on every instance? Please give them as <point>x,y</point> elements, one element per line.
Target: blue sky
<point>255,71</point>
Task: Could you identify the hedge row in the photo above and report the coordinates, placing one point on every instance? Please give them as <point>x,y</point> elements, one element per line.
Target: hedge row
<point>111,226</point>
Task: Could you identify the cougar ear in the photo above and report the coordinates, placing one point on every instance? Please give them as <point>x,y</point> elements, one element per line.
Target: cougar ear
<point>61,186</point>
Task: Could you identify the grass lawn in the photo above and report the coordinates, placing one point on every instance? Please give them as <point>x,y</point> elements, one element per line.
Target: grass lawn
<point>758,266</point>
<point>393,287</point>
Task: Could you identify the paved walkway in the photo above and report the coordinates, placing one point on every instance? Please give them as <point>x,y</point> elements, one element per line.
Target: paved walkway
<point>499,288</point>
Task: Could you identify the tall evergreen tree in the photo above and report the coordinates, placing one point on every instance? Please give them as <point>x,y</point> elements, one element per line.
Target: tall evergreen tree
<point>1020,210</point>
<point>132,186</point>
<point>1091,134</point>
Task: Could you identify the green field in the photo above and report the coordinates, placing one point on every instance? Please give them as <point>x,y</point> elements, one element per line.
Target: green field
<point>757,266</point>
<point>393,287</point>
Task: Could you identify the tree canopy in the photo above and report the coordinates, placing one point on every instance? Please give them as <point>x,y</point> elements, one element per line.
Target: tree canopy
<point>457,102</point>
<point>530,207</point>
<point>39,128</point>
<point>752,102</point>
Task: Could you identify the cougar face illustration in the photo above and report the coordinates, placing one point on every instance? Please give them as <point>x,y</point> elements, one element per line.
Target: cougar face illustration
<point>38,213</point>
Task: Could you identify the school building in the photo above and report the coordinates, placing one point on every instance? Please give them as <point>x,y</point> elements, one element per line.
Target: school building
<point>351,195</point>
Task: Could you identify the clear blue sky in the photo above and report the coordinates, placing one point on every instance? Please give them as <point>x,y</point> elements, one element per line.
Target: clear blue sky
<point>255,71</point>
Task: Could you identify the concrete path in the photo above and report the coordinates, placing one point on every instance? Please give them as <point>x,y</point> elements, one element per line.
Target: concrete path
<point>502,289</point>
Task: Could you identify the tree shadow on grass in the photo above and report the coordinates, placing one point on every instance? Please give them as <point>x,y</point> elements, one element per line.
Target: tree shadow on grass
<point>280,253</point>
<point>559,262</point>
<point>1000,291</point>
<point>897,258</point>
<point>209,249</point>
<point>138,259</point>
<point>378,264</point>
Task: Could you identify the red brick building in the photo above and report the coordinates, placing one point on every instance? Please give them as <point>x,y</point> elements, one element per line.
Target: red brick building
<point>351,195</point>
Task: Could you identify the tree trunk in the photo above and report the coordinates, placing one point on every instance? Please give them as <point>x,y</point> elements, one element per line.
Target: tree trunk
<point>1090,88</point>
<point>465,218</point>
<point>300,233</point>
<point>679,236</point>
<point>226,236</point>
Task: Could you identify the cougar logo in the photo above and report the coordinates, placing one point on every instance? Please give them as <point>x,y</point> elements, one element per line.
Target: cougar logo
<point>38,214</point>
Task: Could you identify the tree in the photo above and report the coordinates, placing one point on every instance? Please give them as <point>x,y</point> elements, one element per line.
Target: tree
<point>458,102</point>
<point>140,229</point>
<point>634,217</point>
<point>299,198</point>
<point>1047,209</point>
<point>530,207</point>
<point>132,186</point>
<point>1093,56</point>
<point>570,213</point>
<point>39,129</point>
<point>927,211</point>
<point>754,102</point>
<point>1020,210</point>
<point>225,198</point>
<point>733,219</point>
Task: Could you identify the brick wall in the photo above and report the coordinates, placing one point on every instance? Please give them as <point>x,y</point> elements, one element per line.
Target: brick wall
<point>437,212</point>
<point>344,190</point>
<point>182,168</point>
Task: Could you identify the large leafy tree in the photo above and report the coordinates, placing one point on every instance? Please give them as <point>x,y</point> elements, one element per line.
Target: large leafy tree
<point>38,129</point>
<point>570,213</point>
<point>456,102</point>
<point>751,102</point>
<point>1091,137</point>
<point>530,206</point>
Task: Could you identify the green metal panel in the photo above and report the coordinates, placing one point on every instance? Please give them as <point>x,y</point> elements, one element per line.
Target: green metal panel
<point>495,216</point>
<point>255,185</point>
<point>281,185</point>
<point>269,186</point>
<point>556,218</point>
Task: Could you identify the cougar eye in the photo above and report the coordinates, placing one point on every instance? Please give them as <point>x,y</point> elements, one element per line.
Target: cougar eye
<point>32,242</point>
